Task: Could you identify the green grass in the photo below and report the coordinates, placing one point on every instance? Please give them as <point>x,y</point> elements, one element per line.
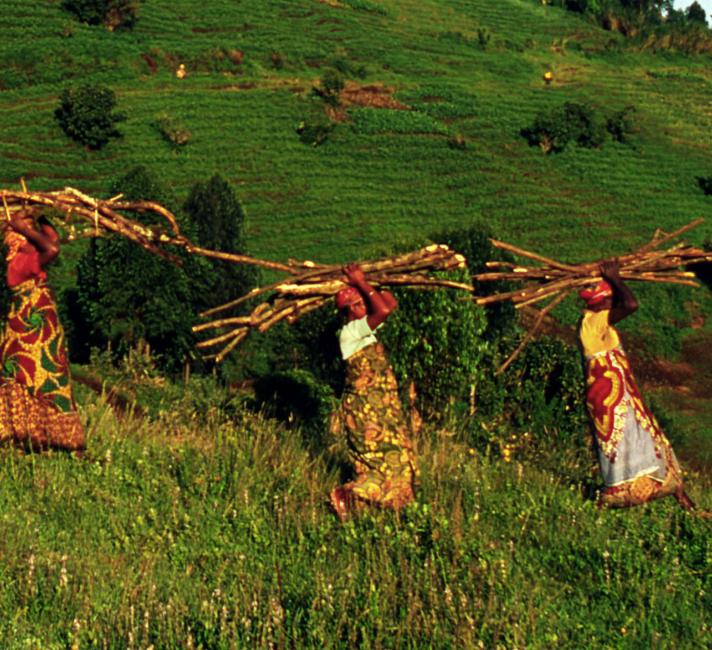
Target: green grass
<point>192,527</point>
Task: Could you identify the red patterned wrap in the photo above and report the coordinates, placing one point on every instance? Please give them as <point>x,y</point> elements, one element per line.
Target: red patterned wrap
<point>37,408</point>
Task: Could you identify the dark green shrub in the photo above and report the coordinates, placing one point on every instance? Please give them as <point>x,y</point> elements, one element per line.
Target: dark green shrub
<point>705,184</point>
<point>572,122</point>
<point>298,398</point>
<point>86,115</point>
<point>218,218</point>
<point>277,60</point>
<point>126,295</point>
<point>350,70</point>
<point>542,392</point>
<point>483,38</point>
<point>434,339</point>
<point>114,14</point>
<point>621,124</point>
<point>695,13</point>
<point>314,133</point>
<point>330,86</point>
<point>457,141</point>
<point>474,243</point>
<point>172,131</point>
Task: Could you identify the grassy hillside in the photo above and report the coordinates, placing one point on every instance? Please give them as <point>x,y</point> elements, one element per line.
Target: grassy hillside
<point>390,184</point>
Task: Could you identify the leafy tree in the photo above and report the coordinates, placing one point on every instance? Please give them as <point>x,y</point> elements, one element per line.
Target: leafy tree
<point>572,122</point>
<point>126,295</point>
<point>219,219</point>
<point>114,14</point>
<point>86,115</point>
<point>695,13</point>
<point>621,124</point>
<point>705,184</point>
<point>330,86</point>
<point>474,243</point>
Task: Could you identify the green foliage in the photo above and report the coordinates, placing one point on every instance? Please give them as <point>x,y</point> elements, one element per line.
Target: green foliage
<point>315,133</point>
<point>172,130</point>
<point>474,243</point>
<point>114,14</point>
<point>219,220</point>
<point>434,339</point>
<point>696,13</point>
<point>85,114</point>
<point>196,527</point>
<point>543,392</point>
<point>705,184</point>
<point>621,124</point>
<point>127,295</point>
<point>330,86</point>
<point>656,24</point>
<point>297,397</point>
<point>348,69</point>
<point>371,121</point>
<point>571,122</point>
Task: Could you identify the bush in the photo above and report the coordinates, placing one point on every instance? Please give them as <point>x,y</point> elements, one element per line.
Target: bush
<point>330,86</point>
<point>114,14</point>
<point>172,131</point>
<point>620,125</point>
<point>314,133</point>
<point>553,130</point>
<point>126,295</point>
<point>543,390</point>
<point>705,184</point>
<point>695,13</point>
<point>434,339</point>
<point>297,397</point>
<point>474,243</point>
<point>86,115</point>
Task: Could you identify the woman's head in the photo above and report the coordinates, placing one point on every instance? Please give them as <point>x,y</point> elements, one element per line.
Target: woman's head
<point>597,296</point>
<point>350,303</point>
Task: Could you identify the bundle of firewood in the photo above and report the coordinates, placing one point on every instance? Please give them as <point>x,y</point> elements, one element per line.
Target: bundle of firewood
<point>84,216</point>
<point>312,285</point>
<point>553,280</point>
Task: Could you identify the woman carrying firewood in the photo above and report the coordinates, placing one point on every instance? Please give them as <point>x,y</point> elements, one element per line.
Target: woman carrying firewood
<point>371,415</point>
<point>36,405</point>
<point>636,460</point>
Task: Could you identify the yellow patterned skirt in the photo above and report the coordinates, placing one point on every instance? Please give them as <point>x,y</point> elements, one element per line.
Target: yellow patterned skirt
<point>36,404</point>
<point>377,434</point>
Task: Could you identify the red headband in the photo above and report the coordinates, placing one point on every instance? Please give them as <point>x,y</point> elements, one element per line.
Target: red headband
<point>593,295</point>
<point>347,296</point>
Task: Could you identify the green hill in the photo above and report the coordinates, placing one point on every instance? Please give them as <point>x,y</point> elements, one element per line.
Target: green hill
<point>197,527</point>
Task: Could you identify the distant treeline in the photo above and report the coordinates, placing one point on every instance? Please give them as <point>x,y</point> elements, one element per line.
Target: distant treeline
<point>655,22</point>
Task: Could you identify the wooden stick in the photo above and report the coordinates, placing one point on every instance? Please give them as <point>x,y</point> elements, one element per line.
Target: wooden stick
<point>533,256</point>
<point>533,330</point>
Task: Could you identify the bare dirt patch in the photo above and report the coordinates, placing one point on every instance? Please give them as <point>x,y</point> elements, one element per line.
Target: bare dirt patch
<point>370,96</point>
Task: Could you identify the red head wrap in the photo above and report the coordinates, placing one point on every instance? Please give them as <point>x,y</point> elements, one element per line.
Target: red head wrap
<point>595,294</point>
<point>347,296</point>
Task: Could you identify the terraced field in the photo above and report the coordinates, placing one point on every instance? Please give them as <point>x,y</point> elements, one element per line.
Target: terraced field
<point>389,184</point>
